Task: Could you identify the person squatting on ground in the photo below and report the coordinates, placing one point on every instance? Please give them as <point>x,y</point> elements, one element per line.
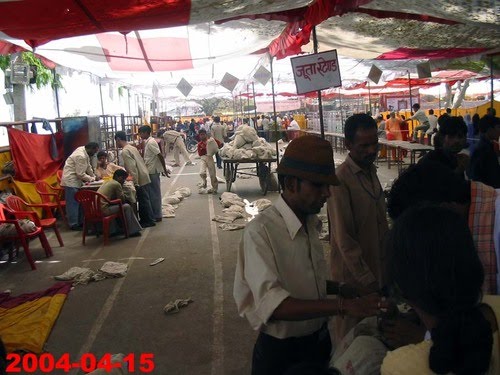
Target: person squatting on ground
<point>357,213</point>
<point>113,189</point>
<point>281,284</point>
<point>135,166</point>
<point>76,172</point>
<point>156,165</point>
<point>207,148</point>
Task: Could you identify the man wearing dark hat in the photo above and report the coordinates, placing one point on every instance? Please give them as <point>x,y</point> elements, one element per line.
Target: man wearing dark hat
<point>280,283</point>
<point>357,214</point>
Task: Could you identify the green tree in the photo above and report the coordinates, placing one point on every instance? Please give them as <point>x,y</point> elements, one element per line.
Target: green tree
<point>44,75</point>
<point>211,105</point>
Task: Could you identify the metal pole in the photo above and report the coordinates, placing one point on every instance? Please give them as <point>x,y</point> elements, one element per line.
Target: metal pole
<point>341,113</point>
<point>409,85</point>
<point>56,92</point>
<point>320,102</point>
<point>369,99</point>
<point>255,108</point>
<point>274,113</point>
<point>492,99</point>
<point>248,103</point>
<point>102,102</point>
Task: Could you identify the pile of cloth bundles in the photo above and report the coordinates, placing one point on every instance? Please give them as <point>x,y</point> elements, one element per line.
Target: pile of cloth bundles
<point>247,145</point>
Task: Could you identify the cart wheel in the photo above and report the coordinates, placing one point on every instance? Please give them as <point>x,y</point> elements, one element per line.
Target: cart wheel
<point>228,175</point>
<point>263,173</point>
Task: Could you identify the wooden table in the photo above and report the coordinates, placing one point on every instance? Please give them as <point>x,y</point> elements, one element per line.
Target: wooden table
<point>400,146</point>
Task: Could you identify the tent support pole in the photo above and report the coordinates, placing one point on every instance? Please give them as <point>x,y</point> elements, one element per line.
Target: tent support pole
<point>275,122</point>
<point>320,102</point>
<point>248,103</point>
<point>341,113</point>
<point>102,102</point>
<point>56,92</point>
<point>369,99</point>
<point>254,108</point>
<point>409,85</point>
<point>492,94</point>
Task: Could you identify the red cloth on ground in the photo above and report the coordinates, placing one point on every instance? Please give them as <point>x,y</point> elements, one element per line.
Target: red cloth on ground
<point>31,154</point>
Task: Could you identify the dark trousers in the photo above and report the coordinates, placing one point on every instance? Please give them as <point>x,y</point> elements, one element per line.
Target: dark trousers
<point>272,356</point>
<point>144,201</point>
<point>218,159</point>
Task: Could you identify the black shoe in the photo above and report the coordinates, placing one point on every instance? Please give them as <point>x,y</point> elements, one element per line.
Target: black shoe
<point>149,224</point>
<point>136,234</point>
<point>158,220</point>
<point>76,227</point>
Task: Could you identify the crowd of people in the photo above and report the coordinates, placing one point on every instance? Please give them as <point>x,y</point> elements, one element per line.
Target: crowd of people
<point>415,276</point>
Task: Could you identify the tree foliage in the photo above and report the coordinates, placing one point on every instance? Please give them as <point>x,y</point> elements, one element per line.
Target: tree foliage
<point>44,75</point>
<point>211,106</point>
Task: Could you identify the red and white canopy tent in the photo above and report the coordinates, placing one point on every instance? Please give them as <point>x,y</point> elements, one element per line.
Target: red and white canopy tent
<point>122,37</point>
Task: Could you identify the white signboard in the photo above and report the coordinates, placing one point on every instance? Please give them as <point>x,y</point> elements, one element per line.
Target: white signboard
<point>262,75</point>
<point>229,81</point>
<point>316,72</point>
<point>184,87</point>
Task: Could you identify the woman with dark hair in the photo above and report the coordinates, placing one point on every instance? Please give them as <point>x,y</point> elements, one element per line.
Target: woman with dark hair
<point>440,276</point>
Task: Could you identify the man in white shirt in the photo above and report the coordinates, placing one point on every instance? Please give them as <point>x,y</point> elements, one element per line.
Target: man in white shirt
<point>280,283</point>
<point>77,171</point>
<point>156,165</point>
<point>135,166</point>
<point>422,119</point>
<point>294,125</point>
<point>219,133</point>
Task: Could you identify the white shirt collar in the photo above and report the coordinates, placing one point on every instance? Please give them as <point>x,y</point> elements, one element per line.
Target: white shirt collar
<point>292,222</point>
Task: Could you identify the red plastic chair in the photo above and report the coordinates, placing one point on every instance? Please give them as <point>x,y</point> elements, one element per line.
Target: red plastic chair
<point>59,174</point>
<point>92,212</point>
<point>23,237</point>
<point>50,196</point>
<point>21,210</point>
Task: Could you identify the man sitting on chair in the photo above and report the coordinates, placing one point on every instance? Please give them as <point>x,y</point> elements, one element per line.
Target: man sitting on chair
<point>113,189</point>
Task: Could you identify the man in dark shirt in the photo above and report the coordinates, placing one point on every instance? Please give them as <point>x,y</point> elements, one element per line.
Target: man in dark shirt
<point>484,166</point>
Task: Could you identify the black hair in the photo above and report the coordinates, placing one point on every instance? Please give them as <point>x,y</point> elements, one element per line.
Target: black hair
<point>202,131</point>
<point>437,269</point>
<point>120,173</point>
<point>416,105</point>
<point>487,122</point>
<point>358,121</point>
<point>102,153</point>
<point>426,182</point>
<point>453,126</point>
<point>216,118</point>
<point>282,181</point>
<point>92,146</point>
<point>448,110</point>
<point>145,129</point>
<point>431,111</point>
<point>121,135</point>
